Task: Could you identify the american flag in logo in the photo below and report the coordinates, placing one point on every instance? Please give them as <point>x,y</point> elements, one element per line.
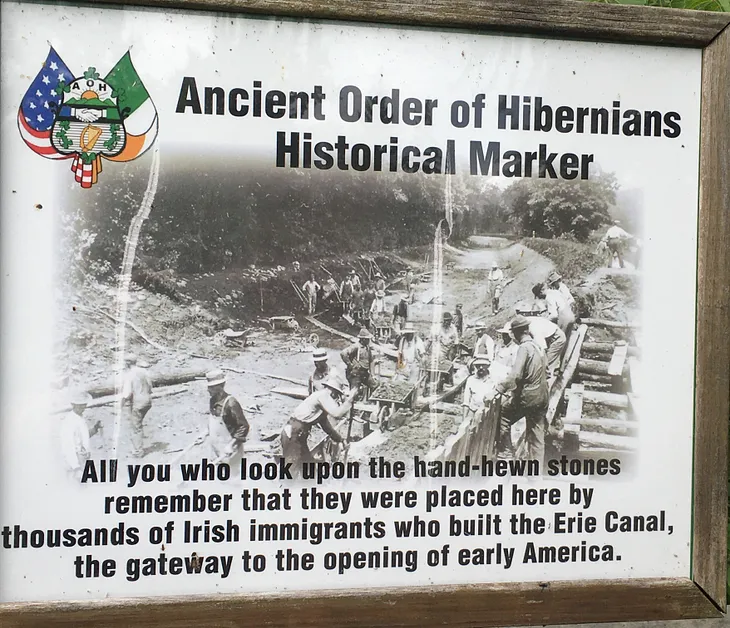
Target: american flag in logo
<point>40,105</point>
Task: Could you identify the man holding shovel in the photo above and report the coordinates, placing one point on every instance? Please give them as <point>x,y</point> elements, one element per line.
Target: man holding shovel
<point>316,409</point>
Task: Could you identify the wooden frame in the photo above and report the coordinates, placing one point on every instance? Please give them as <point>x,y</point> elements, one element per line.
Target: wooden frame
<point>704,595</point>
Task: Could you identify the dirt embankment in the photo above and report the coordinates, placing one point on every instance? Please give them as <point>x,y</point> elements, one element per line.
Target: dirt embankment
<point>250,293</point>
<point>600,292</point>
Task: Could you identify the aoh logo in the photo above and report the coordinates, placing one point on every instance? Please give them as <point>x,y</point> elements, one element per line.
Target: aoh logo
<point>87,118</point>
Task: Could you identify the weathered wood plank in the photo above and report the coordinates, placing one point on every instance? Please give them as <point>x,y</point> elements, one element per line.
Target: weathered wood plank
<point>461,607</point>
<point>618,359</point>
<point>295,392</point>
<point>594,367</point>
<point>571,438</point>
<point>600,322</point>
<point>608,426</point>
<point>556,18</point>
<point>105,401</point>
<point>612,400</point>
<point>566,375</point>
<point>608,441</point>
<point>575,403</point>
<point>158,379</point>
<point>607,347</point>
<point>712,382</point>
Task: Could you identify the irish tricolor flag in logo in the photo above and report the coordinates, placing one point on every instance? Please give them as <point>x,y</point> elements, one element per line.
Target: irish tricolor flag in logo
<point>86,118</point>
<point>136,108</point>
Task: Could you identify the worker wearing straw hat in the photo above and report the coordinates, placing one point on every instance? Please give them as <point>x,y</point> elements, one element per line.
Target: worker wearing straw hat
<point>330,401</point>
<point>495,281</point>
<point>358,359</point>
<point>506,351</point>
<point>136,401</point>
<point>321,370</point>
<point>478,391</point>
<point>378,307</point>
<point>554,281</point>
<point>560,303</point>
<point>74,435</point>
<point>483,345</point>
<point>227,424</point>
<point>410,353</point>
<point>528,382</point>
<point>447,338</point>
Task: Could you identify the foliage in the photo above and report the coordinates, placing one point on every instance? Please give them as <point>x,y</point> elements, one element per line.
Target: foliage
<point>551,208</point>
<point>575,260</point>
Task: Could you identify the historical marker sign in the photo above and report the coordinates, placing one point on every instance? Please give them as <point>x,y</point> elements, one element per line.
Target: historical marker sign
<point>304,307</point>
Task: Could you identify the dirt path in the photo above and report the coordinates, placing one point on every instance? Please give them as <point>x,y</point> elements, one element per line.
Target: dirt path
<point>466,282</point>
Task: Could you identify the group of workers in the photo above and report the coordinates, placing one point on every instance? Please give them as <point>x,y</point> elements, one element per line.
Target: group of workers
<point>227,426</point>
<point>530,348</point>
<point>364,301</point>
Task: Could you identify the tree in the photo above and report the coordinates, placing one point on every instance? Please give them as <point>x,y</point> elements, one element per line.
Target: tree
<point>552,208</point>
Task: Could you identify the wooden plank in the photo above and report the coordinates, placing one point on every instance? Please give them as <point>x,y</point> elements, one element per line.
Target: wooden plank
<point>607,347</point>
<point>445,407</point>
<point>536,603</point>
<point>609,426</point>
<point>283,378</point>
<point>612,400</point>
<point>105,401</point>
<point>600,322</point>
<point>575,403</point>
<point>712,374</point>
<point>608,441</point>
<point>294,393</point>
<point>618,359</point>
<point>555,18</point>
<point>634,376</point>
<point>571,438</point>
<point>594,367</point>
<point>162,379</point>
<point>566,375</point>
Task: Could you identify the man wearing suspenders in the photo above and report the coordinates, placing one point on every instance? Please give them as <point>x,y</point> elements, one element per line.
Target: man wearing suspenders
<point>528,381</point>
<point>227,424</point>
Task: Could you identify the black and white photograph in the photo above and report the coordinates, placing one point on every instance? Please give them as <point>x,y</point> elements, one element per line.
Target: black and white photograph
<point>322,316</point>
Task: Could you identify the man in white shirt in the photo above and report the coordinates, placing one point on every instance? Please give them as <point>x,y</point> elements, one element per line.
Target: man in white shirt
<point>506,351</point>
<point>74,436</point>
<point>310,290</point>
<point>483,345</point>
<point>557,292</point>
<point>555,282</point>
<point>616,238</point>
<point>558,310</point>
<point>447,338</point>
<point>410,352</point>
<point>378,306</point>
<point>478,390</point>
<point>136,401</point>
<point>550,338</point>
<point>495,281</point>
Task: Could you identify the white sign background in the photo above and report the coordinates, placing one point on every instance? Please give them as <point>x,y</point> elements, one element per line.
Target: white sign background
<point>233,51</point>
